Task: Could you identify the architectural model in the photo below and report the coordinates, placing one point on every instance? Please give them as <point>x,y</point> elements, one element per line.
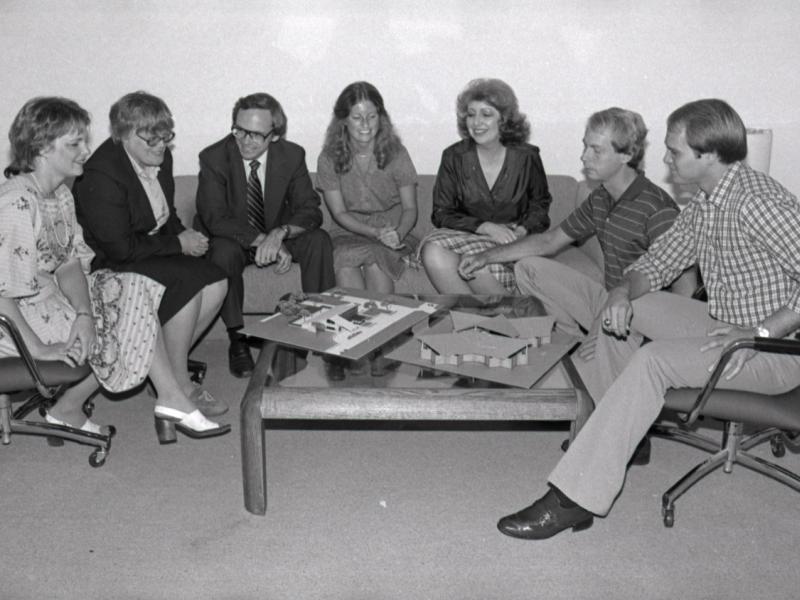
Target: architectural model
<point>498,342</point>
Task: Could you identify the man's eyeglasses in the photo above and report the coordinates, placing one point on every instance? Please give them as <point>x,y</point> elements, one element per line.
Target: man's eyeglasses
<point>154,140</point>
<point>241,133</point>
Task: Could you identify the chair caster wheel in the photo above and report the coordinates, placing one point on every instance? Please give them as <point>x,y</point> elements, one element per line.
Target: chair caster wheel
<point>669,517</point>
<point>565,445</point>
<point>777,446</point>
<point>98,458</point>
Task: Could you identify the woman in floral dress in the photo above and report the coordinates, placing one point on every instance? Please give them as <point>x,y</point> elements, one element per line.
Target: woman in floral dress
<point>108,319</point>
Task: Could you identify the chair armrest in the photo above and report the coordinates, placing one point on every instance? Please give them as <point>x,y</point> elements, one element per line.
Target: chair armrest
<point>760,344</point>
<point>7,324</point>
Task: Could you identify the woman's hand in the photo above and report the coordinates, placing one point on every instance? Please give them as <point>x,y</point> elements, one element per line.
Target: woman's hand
<point>389,237</point>
<point>193,243</point>
<point>81,338</point>
<point>501,234</point>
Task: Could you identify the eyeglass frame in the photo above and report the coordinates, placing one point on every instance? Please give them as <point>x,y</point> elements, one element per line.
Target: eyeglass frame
<point>153,141</point>
<point>253,135</point>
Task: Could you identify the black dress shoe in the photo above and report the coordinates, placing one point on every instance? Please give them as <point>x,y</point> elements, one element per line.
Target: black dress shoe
<point>641,455</point>
<point>240,362</point>
<point>545,518</point>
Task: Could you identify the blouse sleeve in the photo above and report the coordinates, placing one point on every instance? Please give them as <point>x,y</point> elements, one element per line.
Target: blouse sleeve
<point>17,245</point>
<point>403,171</point>
<point>327,179</point>
<point>448,210</point>
<point>80,249</point>
<point>536,217</point>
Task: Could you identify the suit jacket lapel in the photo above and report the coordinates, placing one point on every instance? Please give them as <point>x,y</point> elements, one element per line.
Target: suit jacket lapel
<point>277,179</point>
<point>139,203</point>
<point>238,183</point>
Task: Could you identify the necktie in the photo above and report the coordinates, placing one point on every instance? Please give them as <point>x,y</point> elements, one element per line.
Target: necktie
<point>255,199</point>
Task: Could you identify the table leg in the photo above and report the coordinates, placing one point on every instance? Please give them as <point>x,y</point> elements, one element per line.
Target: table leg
<point>254,466</point>
<point>585,404</point>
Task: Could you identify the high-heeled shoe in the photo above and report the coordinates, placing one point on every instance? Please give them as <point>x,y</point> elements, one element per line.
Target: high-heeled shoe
<point>89,426</point>
<point>193,424</point>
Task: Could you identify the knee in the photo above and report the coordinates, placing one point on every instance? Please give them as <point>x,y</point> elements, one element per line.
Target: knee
<point>434,256</point>
<point>228,255</point>
<point>315,244</point>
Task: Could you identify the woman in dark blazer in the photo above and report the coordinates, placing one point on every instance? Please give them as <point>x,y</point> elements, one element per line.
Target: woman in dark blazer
<point>490,190</point>
<point>125,204</point>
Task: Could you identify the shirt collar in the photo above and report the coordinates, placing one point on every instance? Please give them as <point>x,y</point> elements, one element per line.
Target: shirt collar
<point>148,173</point>
<point>720,191</point>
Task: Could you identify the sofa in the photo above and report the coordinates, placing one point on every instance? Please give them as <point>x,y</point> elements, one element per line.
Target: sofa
<point>263,287</point>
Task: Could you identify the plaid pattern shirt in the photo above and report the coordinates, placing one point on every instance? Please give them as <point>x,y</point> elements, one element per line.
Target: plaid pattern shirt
<point>745,237</point>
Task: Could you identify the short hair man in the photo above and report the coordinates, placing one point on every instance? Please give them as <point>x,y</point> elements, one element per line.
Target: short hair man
<point>256,200</point>
<point>626,212</point>
<point>741,228</point>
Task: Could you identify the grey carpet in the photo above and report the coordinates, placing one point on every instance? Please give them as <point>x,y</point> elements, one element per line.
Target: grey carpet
<point>370,515</point>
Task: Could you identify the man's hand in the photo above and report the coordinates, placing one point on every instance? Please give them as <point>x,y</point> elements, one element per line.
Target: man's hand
<point>284,260</point>
<point>501,234</point>
<point>193,243</point>
<point>617,313</point>
<point>268,249</point>
<point>722,336</point>
<point>470,263</point>
<point>587,348</point>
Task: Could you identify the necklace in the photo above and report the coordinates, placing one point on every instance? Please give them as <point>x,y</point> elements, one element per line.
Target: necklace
<point>49,221</point>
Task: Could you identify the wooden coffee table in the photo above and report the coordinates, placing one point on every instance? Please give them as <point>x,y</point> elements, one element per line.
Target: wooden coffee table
<point>280,388</point>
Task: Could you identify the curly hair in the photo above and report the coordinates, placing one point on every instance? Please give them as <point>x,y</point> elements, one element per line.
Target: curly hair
<point>627,131</point>
<point>711,125</point>
<point>263,101</point>
<point>39,122</point>
<point>139,110</point>
<point>337,144</point>
<point>514,126</point>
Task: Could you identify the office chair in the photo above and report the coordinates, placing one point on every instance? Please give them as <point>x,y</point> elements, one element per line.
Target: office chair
<point>776,419</point>
<point>47,380</point>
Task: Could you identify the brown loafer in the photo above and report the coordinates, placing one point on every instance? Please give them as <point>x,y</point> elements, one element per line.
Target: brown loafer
<point>206,403</point>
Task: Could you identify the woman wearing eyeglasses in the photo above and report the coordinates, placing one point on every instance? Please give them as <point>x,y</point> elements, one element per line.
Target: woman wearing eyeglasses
<point>63,312</point>
<point>125,204</point>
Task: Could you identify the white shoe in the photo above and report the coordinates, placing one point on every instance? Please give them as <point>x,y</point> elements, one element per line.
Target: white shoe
<point>193,424</point>
<point>89,426</point>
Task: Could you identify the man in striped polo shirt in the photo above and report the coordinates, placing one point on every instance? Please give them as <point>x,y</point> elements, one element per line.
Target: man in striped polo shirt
<point>626,212</point>
<point>741,229</point>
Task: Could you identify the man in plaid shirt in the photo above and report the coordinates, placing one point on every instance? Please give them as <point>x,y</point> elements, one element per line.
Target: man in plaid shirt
<point>741,228</point>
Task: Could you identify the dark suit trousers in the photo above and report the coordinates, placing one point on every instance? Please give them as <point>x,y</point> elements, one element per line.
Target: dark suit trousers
<point>312,250</point>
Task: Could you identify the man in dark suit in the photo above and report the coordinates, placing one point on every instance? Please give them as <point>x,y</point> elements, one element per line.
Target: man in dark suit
<point>256,201</point>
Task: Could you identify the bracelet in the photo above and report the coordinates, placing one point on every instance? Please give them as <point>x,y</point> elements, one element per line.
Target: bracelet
<point>83,313</point>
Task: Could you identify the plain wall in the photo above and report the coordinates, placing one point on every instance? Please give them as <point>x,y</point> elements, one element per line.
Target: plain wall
<point>565,59</point>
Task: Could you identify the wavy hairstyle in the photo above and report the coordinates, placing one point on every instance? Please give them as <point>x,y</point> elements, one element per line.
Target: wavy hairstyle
<point>711,125</point>
<point>337,140</point>
<point>627,131</point>
<point>514,126</point>
<point>39,122</point>
<point>139,111</point>
<point>263,101</point>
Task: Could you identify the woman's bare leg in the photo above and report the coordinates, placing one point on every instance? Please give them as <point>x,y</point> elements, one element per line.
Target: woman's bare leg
<point>377,280</point>
<point>351,277</point>
<point>441,265</point>
<point>69,407</point>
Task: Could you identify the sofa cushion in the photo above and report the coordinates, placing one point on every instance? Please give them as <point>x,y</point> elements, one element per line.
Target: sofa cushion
<point>263,287</point>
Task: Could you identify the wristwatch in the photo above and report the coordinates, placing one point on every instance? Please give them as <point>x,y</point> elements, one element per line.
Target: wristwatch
<point>762,331</point>
<point>287,230</point>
